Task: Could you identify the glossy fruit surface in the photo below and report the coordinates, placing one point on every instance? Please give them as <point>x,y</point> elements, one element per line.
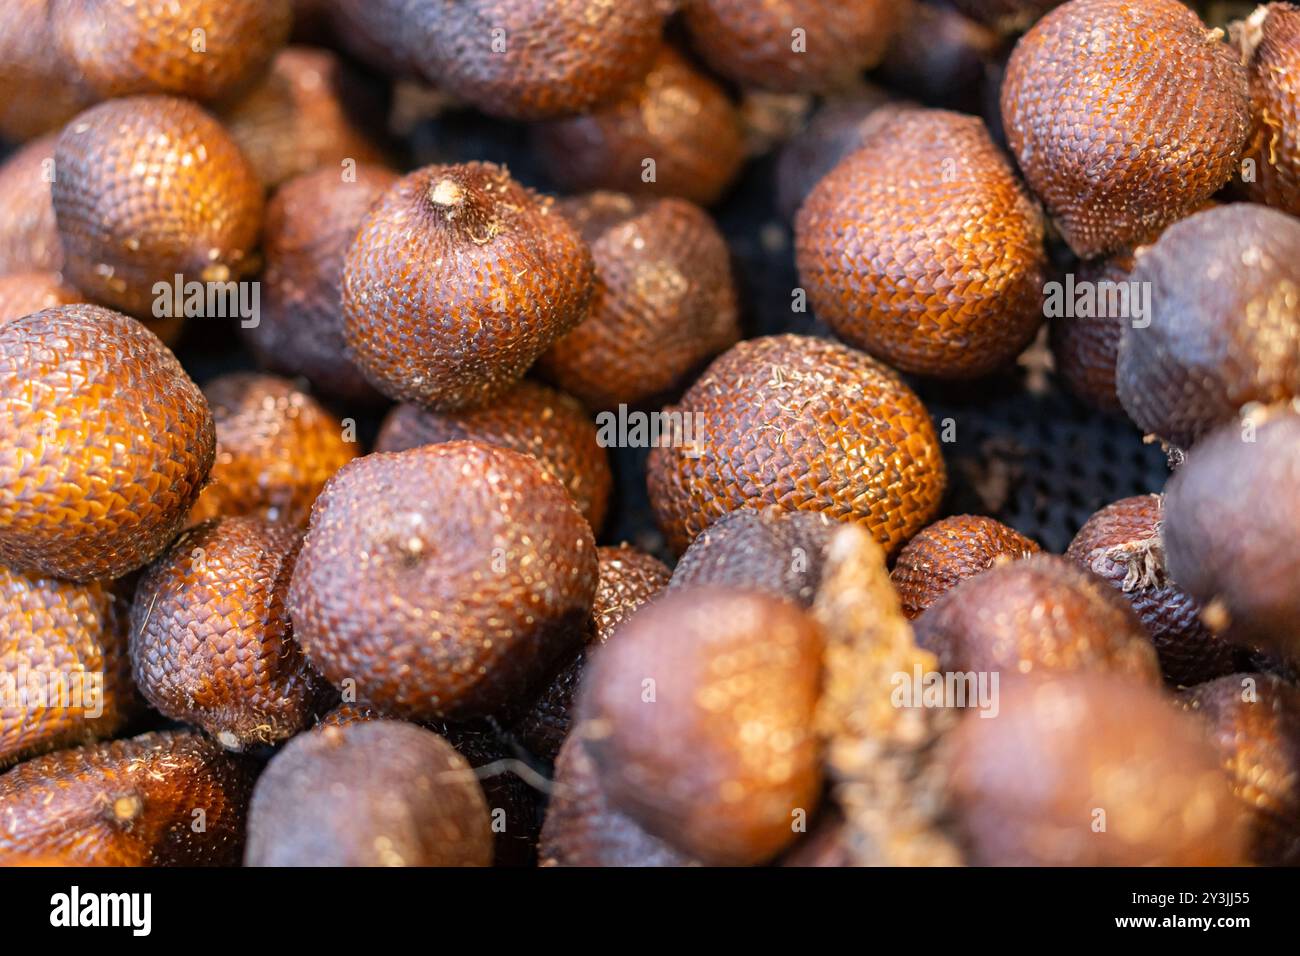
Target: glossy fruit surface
<point>23,293</point>
<point>41,92</point>
<point>29,236</point>
<point>1270,42</point>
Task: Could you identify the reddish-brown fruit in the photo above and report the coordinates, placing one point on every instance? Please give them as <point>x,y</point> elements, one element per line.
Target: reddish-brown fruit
<point>63,645</point>
<point>923,248</point>
<point>941,57</point>
<point>1231,514</point>
<point>1038,615</point>
<point>1270,43</point>
<point>149,188</point>
<point>676,133</point>
<point>1090,770</point>
<point>552,427</point>
<point>458,279</point>
<point>29,236</point>
<point>805,424</point>
<point>310,224</point>
<point>1121,543</point>
<point>538,59</point>
<point>436,611</point>
<point>700,722</point>
<point>773,551</point>
<point>792,45</point>
<point>41,92</point>
<point>276,448</point>
<point>1085,348</point>
<point>582,829</point>
<point>1254,721</point>
<point>191,48</point>
<point>627,579</point>
<point>664,303</point>
<point>310,112</point>
<point>1124,117</point>
<point>950,551</point>
<point>1007,15</point>
<point>130,803</point>
<point>23,293</point>
<point>1225,307</point>
<point>104,443</point>
<point>211,642</point>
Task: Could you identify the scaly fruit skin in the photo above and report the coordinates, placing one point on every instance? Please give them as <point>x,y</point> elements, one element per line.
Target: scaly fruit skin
<point>1254,722</point>
<point>582,829</point>
<point>950,551</point>
<point>1225,308</point>
<point>211,641</point>
<point>22,293</point>
<point>70,638</point>
<point>41,89</point>
<point>552,427</point>
<point>1121,544</point>
<point>753,42</point>
<point>1270,41</point>
<point>130,803</point>
<point>537,59</point>
<point>458,279</point>
<point>805,424</point>
<point>276,448</point>
<point>664,303</point>
<point>1231,514</point>
<point>772,551</point>
<point>29,236</point>
<point>1070,755</point>
<point>923,248</point>
<point>436,611</point>
<point>1039,615</point>
<point>306,114</point>
<point>310,224</point>
<point>104,444</point>
<point>677,116</point>
<point>627,579</point>
<point>1007,15</point>
<point>1085,348</point>
<point>149,187</point>
<point>189,48</point>
<point>374,793</point>
<point>1124,117</point>
<point>723,756</point>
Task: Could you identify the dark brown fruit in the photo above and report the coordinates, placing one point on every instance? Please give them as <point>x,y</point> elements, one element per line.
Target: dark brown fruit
<point>458,279</point>
<point>941,57</point>
<point>581,827</point>
<point>1124,117</point>
<point>312,111</point>
<point>192,48</point>
<point>776,552</point>
<point>211,641</point>
<point>628,578</point>
<point>377,32</point>
<point>664,303</point>
<point>22,293</point>
<point>276,448</point>
<point>1230,532</point>
<point>676,133</point>
<point>148,188</point>
<point>64,646</point>
<point>310,224</point>
<point>1121,543</point>
<point>1085,348</point>
<point>444,580</point>
<point>373,793</point>
<point>923,248</point>
<point>1007,15</point>
<point>1225,306</point>
<point>701,722</point>
<point>1090,770</point>
<point>1270,43</point>
<point>104,443</point>
<point>40,89</point>
<point>538,59</point>
<point>950,551</point>
<point>29,236</point>
<point>792,45</point>
<point>539,421</point>
<point>805,424</point>
<point>161,799</point>
<point>1038,615</point>
<point>1254,721</point>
